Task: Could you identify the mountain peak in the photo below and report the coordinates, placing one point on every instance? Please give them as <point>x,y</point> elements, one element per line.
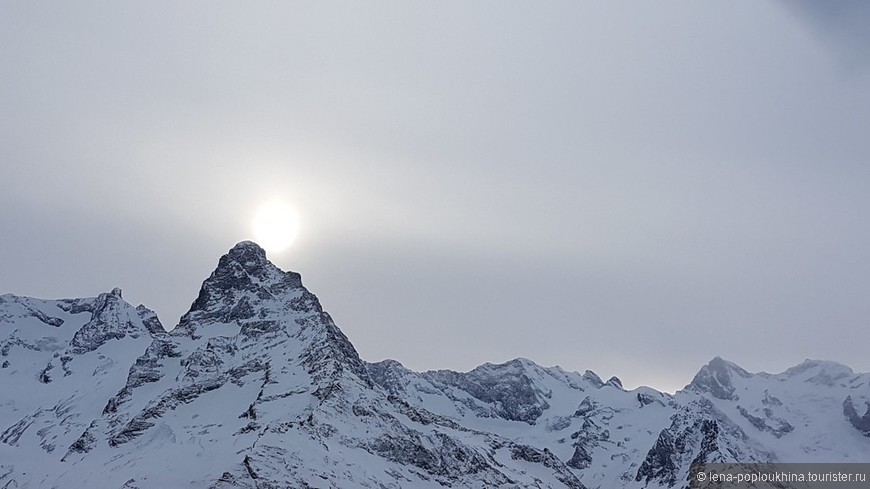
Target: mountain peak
<point>716,378</point>
<point>819,372</point>
<point>247,249</point>
<point>245,264</point>
<point>249,255</point>
<point>242,276</point>
<point>810,364</point>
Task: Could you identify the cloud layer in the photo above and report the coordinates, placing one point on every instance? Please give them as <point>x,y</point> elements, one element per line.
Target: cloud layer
<point>629,188</point>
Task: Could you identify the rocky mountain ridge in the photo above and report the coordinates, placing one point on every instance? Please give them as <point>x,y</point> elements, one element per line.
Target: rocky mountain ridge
<point>257,387</point>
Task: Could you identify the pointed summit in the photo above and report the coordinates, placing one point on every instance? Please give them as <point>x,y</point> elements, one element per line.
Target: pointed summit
<point>246,267</point>
<point>716,378</point>
<point>247,252</point>
<point>249,257</point>
<point>243,276</point>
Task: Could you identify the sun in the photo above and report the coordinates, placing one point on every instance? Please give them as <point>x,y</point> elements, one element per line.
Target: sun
<point>275,226</point>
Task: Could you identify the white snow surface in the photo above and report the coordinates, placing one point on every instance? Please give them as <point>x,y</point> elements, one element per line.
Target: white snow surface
<point>257,387</point>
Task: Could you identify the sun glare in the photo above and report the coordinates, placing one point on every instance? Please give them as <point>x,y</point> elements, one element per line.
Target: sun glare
<point>275,226</point>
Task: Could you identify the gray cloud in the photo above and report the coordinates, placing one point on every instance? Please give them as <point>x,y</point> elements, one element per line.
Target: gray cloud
<point>841,25</point>
<point>628,188</point>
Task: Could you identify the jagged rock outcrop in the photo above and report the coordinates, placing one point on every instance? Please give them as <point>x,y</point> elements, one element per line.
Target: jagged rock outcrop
<point>510,396</point>
<point>860,422</point>
<point>716,378</point>
<point>699,433</point>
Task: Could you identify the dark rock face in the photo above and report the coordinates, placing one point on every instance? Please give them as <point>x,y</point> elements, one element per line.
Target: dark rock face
<point>445,458</point>
<point>238,288</point>
<point>84,443</point>
<point>861,423</point>
<point>44,376</point>
<point>505,387</point>
<point>45,318</point>
<point>150,320</point>
<point>147,369</point>
<point>580,459</point>
<point>770,400</point>
<point>769,423</point>
<point>646,399</point>
<point>243,269</point>
<point>594,418</point>
<point>110,320</point>
<point>547,459</point>
<point>699,433</point>
<point>756,421</point>
<point>389,375</point>
<point>666,461</point>
<point>31,311</point>
<point>11,435</point>
<point>593,378</point>
<point>586,406</point>
<point>334,354</point>
<point>709,442</point>
<point>660,463</point>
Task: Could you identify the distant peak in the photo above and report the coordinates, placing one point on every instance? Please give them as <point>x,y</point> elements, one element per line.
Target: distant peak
<point>810,363</point>
<point>718,363</point>
<point>593,378</point>
<point>716,378</point>
<point>819,372</point>
<point>522,362</point>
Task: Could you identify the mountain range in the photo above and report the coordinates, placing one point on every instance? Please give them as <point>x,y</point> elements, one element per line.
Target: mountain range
<point>256,387</point>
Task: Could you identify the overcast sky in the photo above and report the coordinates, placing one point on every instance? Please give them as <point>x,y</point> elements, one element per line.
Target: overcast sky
<point>632,188</point>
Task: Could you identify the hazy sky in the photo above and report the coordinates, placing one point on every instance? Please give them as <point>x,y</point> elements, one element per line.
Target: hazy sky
<point>629,187</point>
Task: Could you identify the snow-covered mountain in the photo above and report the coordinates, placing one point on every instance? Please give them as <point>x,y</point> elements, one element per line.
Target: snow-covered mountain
<point>257,387</point>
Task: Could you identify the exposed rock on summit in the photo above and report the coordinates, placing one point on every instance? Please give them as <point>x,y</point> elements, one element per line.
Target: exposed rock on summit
<point>716,378</point>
